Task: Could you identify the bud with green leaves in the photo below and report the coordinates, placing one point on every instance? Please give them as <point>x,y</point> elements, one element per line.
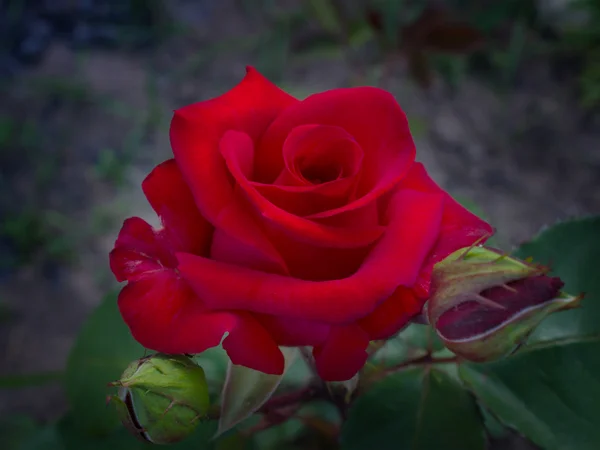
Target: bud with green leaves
<point>162,398</point>
<point>485,303</point>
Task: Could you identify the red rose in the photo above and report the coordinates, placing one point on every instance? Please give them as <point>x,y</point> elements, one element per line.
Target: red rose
<point>286,223</point>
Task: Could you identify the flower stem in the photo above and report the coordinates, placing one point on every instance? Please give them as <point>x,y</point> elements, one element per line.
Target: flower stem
<point>425,360</point>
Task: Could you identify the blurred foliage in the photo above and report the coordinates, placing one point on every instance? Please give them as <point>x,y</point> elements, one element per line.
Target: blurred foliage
<point>445,39</point>
<point>583,40</point>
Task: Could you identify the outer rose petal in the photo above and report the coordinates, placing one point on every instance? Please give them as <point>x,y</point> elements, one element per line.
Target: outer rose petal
<point>163,314</point>
<point>156,307</point>
<point>460,228</point>
<point>317,263</point>
<point>172,200</point>
<point>392,315</point>
<point>396,260</point>
<point>139,251</point>
<point>232,144</point>
<point>294,332</point>
<point>250,345</point>
<point>195,133</point>
<point>343,354</point>
<point>372,116</point>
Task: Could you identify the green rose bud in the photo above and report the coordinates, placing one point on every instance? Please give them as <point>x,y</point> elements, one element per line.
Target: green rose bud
<point>485,303</point>
<point>162,398</point>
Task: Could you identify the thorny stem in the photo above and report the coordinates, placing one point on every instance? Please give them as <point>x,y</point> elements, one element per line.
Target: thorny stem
<point>283,407</point>
<point>425,360</point>
<point>291,398</point>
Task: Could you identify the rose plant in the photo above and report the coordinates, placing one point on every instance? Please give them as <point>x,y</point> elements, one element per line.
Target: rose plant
<point>310,286</point>
<point>287,223</point>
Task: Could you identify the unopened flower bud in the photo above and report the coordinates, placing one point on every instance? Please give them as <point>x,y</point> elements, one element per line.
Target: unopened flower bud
<point>485,303</point>
<point>162,398</point>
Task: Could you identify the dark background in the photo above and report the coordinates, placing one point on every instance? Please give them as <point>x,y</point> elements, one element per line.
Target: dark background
<point>505,118</point>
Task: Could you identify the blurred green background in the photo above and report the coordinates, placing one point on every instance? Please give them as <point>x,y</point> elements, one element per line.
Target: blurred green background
<point>502,98</point>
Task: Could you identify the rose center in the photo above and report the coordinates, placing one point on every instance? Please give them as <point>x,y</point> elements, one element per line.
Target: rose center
<point>319,154</point>
<point>320,172</point>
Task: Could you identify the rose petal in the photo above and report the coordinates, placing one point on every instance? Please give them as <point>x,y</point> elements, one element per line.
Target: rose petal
<point>138,250</point>
<point>231,145</point>
<point>228,249</point>
<point>313,147</point>
<point>373,118</point>
<point>310,149</point>
<point>195,133</point>
<point>159,310</point>
<point>460,228</point>
<point>395,260</point>
<point>343,354</point>
<point>250,345</point>
<point>172,200</point>
<point>294,332</point>
<point>164,315</point>
<point>392,315</point>
<point>317,263</point>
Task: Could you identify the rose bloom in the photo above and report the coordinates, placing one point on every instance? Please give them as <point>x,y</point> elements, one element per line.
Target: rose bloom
<point>286,223</point>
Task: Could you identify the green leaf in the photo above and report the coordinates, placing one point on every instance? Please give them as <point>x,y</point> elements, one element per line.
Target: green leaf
<point>30,379</point>
<point>15,430</point>
<point>101,353</point>
<point>414,341</point>
<point>279,436</point>
<point>421,336</point>
<point>572,250</point>
<point>120,439</point>
<point>317,417</point>
<point>45,438</point>
<point>549,395</point>
<point>214,361</point>
<point>246,390</point>
<point>299,374</point>
<point>495,428</point>
<point>419,408</point>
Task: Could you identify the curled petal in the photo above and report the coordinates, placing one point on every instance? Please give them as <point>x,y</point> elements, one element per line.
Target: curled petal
<point>460,228</point>
<point>294,332</point>
<point>343,354</point>
<point>395,260</point>
<point>322,166</point>
<point>139,250</point>
<point>370,115</point>
<point>318,154</point>
<point>164,315</point>
<point>159,307</point>
<point>250,345</point>
<point>195,134</point>
<point>232,144</point>
<point>172,200</point>
<point>392,315</point>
